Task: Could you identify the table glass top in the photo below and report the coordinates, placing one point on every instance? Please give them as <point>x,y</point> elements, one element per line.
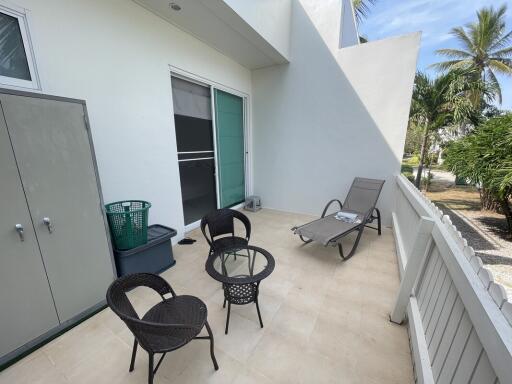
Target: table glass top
<point>240,264</point>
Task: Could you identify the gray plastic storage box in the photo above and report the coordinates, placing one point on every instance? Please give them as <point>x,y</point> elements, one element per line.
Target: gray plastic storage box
<point>155,256</point>
<point>252,203</point>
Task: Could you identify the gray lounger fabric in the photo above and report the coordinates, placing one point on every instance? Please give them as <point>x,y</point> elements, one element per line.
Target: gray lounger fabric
<point>363,195</point>
<point>326,229</point>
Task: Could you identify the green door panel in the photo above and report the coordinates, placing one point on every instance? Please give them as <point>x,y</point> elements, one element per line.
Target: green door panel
<point>229,122</point>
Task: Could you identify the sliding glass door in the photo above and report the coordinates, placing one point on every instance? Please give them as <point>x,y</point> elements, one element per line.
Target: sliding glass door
<point>229,124</point>
<point>194,139</point>
<point>211,157</point>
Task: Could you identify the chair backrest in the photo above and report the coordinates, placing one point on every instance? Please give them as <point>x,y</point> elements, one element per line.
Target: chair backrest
<point>117,299</point>
<point>221,222</point>
<point>363,195</point>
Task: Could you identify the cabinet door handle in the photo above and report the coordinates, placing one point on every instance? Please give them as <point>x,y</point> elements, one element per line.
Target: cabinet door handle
<point>20,229</point>
<point>48,223</point>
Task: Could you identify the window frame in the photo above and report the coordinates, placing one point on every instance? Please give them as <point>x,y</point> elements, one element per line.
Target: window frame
<point>21,14</point>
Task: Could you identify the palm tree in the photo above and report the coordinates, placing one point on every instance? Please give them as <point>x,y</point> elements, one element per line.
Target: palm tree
<point>362,8</point>
<point>486,46</point>
<point>441,102</point>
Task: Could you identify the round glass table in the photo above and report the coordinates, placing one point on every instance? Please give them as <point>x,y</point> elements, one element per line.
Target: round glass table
<point>240,270</point>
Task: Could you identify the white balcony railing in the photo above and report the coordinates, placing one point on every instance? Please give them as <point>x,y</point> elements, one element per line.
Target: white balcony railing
<point>459,319</point>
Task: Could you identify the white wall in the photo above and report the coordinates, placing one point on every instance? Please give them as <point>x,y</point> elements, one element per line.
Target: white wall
<point>270,18</point>
<point>333,20</point>
<point>349,35</point>
<point>312,132</point>
<point>330,115</point>
<point>324,22</point>
<point>116,56</point>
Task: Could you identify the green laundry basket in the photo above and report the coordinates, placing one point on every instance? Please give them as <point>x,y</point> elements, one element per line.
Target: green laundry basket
<point>128,222</point>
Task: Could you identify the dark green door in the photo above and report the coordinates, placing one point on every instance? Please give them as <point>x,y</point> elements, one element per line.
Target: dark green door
<point>229,123</point>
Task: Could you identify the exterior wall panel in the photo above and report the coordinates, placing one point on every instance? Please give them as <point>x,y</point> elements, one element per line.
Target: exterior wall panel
<point>116,55</point>
<point>330,114</point>
<point>270,18</point>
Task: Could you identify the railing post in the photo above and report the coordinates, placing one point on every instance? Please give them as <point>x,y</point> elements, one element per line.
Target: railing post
<point>419,252</point>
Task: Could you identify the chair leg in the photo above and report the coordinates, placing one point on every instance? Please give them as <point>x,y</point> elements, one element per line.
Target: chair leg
<point>132,363</point>
<point>212,354</point>
<point>378,221</point>
<point>159,362</point>
<point>340,250</point>
<point>151,373</point>
<point>304,240</point>
<point>227,318</point>
<point>251,267</point>
<point>354,247</point>
<point>259,314</point>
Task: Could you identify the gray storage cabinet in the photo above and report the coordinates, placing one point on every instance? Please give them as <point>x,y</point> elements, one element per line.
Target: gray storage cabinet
<point>55,257</point>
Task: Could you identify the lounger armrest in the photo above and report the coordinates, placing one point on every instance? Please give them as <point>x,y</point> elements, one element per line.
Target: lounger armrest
<point>329,204</point>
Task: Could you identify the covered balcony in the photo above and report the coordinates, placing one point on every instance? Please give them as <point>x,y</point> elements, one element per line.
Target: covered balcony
<point>280,97</point>
<point>412,305</point>
<point>325,321</point>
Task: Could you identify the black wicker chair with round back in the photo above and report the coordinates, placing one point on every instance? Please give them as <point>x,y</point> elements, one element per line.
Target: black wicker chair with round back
<point>221,230</point>
<point>169,325</point>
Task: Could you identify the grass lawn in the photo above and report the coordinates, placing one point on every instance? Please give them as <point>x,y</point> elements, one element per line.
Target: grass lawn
<point>456,197</point>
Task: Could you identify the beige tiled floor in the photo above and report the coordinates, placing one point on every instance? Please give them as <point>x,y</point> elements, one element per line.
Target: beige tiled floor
<point>325,322</point>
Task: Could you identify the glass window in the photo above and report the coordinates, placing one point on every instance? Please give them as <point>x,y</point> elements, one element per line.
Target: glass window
<point>13,60</point>
<point>17,67</point>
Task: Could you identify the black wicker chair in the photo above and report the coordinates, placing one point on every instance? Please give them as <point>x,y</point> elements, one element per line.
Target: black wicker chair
<point>169,325</point>
<point>220,223</point>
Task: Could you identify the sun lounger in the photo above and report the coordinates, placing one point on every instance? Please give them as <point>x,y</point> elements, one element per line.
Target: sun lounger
<point>358,211</point>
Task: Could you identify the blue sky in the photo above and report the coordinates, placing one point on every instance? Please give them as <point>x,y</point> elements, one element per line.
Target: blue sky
<point>434,18</point>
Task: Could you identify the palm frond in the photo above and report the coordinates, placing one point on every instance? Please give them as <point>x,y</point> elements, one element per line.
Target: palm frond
<point>501,42</point>
<point>455,53</point>
<point>501,66</point>
<point>490,26</point>
<point>460,34</point>
<point>452,64</point>
<point>502,53</point>
<point>494,83</point>
<point>362,8</point>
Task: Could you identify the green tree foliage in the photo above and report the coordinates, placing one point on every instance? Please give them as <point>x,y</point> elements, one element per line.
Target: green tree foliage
<point>486,47</point>
<point>413,138</point>
<point>441,102</point>
<point>503,179</point>
<point>485,158</point>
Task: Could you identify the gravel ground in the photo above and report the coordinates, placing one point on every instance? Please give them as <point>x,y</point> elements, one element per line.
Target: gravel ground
<point>485,231</point>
